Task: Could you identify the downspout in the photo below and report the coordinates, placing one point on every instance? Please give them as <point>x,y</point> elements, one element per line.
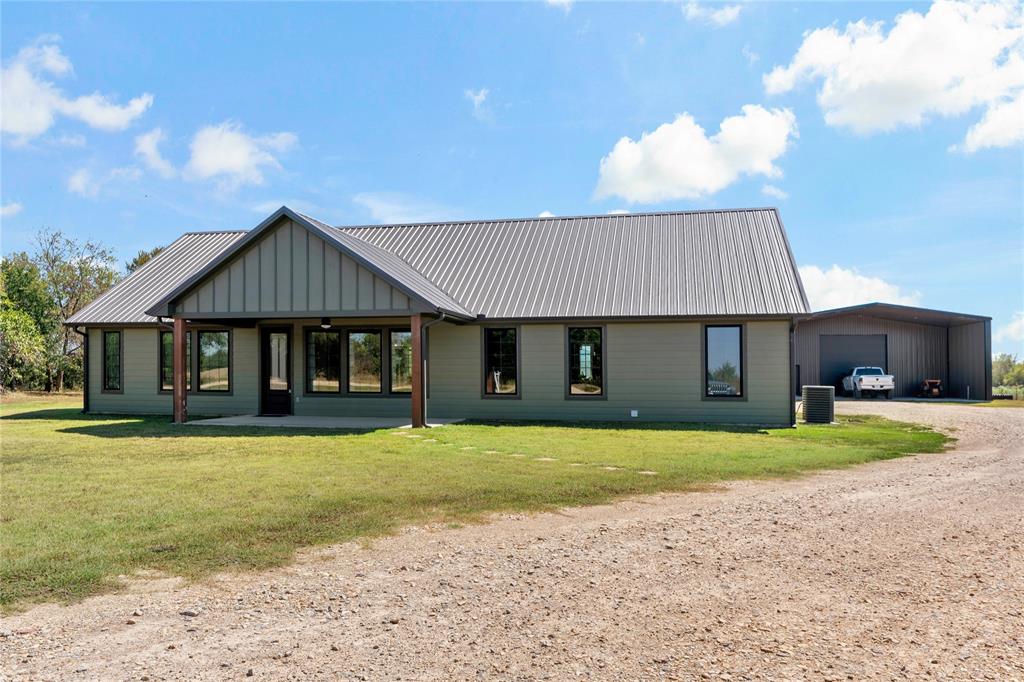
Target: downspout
<point>792,384</point>
<point>85,368</point>
<point>426,357</point>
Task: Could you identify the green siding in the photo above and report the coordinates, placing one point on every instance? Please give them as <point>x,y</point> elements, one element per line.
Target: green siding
<point>141,379</point>
<point>653,367</point>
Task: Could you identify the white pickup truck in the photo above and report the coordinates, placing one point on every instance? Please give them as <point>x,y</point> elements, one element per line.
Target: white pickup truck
<point>868,380</point>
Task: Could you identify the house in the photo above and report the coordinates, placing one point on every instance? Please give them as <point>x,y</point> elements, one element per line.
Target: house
<point>683,316</point>
<point>912,344</point>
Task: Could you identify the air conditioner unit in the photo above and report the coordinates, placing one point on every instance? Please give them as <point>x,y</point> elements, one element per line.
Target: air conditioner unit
<point>819,404</point>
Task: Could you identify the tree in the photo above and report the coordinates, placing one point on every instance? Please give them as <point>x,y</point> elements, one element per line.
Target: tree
<point>22,288</point>
<point>22,349</point>
<point>1002,364</point>
<point>74,274</point>
<point>141,258</point>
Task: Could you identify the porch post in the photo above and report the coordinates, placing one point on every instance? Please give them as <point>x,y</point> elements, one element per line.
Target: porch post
<point>180,392</point>
<point>418,420</point>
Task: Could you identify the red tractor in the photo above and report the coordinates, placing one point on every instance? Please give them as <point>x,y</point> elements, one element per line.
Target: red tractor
<point>930,388</point>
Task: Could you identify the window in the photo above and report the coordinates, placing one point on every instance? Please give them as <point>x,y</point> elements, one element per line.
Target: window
<point>111,361</point>
<point>214,361</point>
<point>501,369</point>
<point>586,361</point>
<point>167,361</point>
<point>401,361</point>
<point>323,362</point>
<point>364,362</point>
<point>723,361</point>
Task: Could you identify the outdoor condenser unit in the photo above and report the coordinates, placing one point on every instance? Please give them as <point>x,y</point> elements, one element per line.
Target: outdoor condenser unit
<point>819,404</point>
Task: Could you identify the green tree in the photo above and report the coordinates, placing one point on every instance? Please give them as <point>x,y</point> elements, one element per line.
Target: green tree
<point>22,349</point>
<point>141,258</point>
<point>1002,364</point>
<point>22,288</point>
<point>1015,377</point>
<point>74,273</point>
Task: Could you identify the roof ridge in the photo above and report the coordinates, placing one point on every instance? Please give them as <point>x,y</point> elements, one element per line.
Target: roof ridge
<point>609,216</point>
<point>213,232</point>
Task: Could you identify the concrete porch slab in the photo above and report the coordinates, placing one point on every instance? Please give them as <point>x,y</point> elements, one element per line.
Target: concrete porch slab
<point>296,422</point>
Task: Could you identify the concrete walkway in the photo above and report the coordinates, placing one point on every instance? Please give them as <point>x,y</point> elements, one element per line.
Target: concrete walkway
<point>296,422</point>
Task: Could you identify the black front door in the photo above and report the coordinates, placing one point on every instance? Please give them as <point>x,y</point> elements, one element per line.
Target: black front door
<point>275,370</point>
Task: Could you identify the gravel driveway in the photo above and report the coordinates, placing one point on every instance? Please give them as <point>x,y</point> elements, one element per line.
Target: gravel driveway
<point>909,568</point>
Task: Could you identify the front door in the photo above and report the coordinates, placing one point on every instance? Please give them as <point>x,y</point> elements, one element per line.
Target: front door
<point>275,370</point>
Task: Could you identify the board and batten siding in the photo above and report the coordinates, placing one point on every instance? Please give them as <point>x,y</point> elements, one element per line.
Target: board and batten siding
<point>140,377</point>
<point>291,270</point>
<point>653,367</point>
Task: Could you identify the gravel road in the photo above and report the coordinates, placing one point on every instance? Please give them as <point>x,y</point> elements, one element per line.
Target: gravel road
<point>911,568</point>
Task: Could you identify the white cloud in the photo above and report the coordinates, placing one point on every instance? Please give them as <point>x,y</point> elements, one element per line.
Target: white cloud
<point>147,148</point>
<point>840,287</point>
<point>226,153</point>
<point>564,5</point>
<point>545,214</point>
<point>394,207</point>
<point>30,102</point>
<point>84,183</point>
<point>481,111</point>
<point>679,161</point>
<point>1011,331</point>
<point>11,209</point>
<point>957,57</point>
<point>618,211</point>
<point>774,192</point>
<point>696,11</point>
<point>1001,126</point>
<point>752,57</point>
<point>67,140</point>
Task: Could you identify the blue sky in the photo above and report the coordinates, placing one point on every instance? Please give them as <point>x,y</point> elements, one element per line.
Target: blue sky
<point>898,170</point>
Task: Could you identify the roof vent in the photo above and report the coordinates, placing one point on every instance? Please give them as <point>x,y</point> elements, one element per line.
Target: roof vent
<point>819,404</point>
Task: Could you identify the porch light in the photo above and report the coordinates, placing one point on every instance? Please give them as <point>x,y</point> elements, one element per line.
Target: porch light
<point>325,323</point>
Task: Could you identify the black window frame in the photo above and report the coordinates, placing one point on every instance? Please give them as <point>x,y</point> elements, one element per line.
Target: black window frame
<point>483,362</point>
<point>160,358</point>
<point>120,361</point>
<point>742,360</point>
<point>342,360</point>
<point>198,362</point>
<point>379,331</point>
<point>391,360</point>
<point>569,395</point>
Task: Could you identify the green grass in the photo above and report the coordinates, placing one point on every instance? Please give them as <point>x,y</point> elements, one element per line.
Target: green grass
<point>84,499</point>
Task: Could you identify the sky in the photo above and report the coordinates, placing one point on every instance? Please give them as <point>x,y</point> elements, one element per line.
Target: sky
<point>889,135</point>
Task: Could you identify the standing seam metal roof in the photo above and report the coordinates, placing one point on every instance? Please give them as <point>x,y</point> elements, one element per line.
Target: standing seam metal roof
<point>705,263</point>
<point>127,302</point>
<point>681,264</point>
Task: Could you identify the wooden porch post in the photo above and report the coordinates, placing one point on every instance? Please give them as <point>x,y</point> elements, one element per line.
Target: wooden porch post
<point>418,416</point>
<point>180,393</point>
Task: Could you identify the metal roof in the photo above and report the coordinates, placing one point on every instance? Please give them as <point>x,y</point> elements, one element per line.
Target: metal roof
<point>680,264</point>
<point>902,313</point>
<point>387,266</point>
<point>127,302</point>
<point>700,263</point>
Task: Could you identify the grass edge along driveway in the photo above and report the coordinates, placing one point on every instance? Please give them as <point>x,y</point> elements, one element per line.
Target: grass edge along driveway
<point>84,499</point>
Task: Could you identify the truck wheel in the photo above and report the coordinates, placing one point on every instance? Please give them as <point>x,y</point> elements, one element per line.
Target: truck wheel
<point>888,394</point>
<point>857,393</point>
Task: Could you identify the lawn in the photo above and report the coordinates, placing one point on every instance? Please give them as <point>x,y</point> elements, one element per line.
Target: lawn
<point>84,499</point>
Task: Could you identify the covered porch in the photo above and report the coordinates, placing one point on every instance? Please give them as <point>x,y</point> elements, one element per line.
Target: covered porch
<point>326,372</point>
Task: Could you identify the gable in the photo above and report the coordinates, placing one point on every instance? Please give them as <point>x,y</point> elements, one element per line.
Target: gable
<point>289,270</point>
